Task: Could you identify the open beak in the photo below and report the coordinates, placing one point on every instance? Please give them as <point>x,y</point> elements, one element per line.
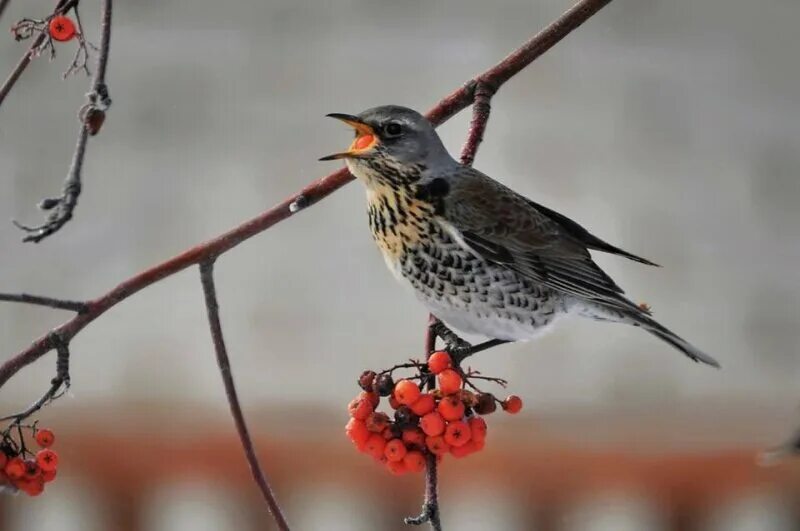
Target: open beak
<point>365,137</point>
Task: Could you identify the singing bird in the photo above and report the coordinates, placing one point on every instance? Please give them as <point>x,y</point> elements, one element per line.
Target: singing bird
<point>481,257</point>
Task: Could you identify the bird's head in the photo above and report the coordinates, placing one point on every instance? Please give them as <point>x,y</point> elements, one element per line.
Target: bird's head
<point>391,142</point>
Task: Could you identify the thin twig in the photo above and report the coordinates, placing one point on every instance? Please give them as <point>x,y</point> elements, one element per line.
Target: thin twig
<point>36,300</point>
<point>212,307</point>
<point>3,6</point>
<point>98,102</point>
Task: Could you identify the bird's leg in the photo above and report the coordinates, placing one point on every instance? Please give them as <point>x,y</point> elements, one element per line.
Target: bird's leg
<point>458,348</point>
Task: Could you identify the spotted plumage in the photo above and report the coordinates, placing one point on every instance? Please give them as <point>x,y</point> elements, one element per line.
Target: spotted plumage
<point>481,257</point>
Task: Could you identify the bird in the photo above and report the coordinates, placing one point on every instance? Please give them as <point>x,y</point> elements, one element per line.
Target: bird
<point>482,258</point>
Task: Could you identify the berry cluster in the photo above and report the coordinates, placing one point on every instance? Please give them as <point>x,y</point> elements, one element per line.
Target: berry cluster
<point>20,468</point>
<point>445,420</point>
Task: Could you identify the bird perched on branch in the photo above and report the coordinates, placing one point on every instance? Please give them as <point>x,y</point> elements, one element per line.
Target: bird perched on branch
<point>481,257</point>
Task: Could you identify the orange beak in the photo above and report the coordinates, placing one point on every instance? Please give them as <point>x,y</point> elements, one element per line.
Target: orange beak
<point>365,137</point>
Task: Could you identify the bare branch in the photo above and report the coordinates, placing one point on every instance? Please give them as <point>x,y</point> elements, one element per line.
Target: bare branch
<point>3,6</point>
<point>36,300</point>
<point>212,307</point>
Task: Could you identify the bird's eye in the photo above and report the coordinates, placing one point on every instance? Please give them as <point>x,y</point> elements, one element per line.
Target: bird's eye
<point>393,129</point>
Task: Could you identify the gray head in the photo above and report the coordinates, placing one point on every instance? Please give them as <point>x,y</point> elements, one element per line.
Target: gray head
<point>392,135</point>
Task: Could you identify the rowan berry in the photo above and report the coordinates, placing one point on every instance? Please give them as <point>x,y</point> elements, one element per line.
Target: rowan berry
<point>375,445</point>
<point>432,424</point>
<point>62,28</point>
<point>404,417</point>
<point>47,459</point>
<point>398,468</point>
<point>15,468</point>
<point>451,408</point>
<point>424,404</point>
<point>45,438</point>
<point>360,408</point>
<point>393,402</point>
<point>395,450</point>
<point>414,461</point>
<point>33,487</point>
<point>406,392</point>
<point>512,404</point>
<point>366,380</point>
<point>457,433</point>
<point>384,384</point>
<point>477,428</point>
<point>470,447</point>
<point>414,437</point>
<point>437,445</point>
<point>372,397</point>
<point>48,475</point>
<point>439,361</point>
<point>469,398</point>
<point>3,460</point>
<point>32,470</point>
<point>486,404</point>
<point>393,431</point>
<point>357,432</point>
<point>449,381</point>
<point>377,421</point>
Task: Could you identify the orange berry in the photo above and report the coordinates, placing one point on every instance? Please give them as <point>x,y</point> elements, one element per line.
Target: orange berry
<point>32,470</point>
<point>375,445</point>
<point>439,361</point>
<point>360,408</point>
<point>478,429</point>
<point>377,421</point>
<point>45,438</point>
<point>395,450</point>
<point>62,28</point>
<point>432,424</point>
<point>372,397</point>
<point>48,475</point>
<point>394,402</point>
<point>414,461</point>
<point>470,447</point>
<point>398,468</point>
<point>406,392</point>
<point>457,433</point>
<point>424,404</point>
<point>33,487</point>
<point>512,404</point>
<point>451,408</point>
<point>449,381</point>
<point>414,437</point>
<point>47,459</point>
<point>437,445</point>
<point>357,432</point>
<point>15,468</point>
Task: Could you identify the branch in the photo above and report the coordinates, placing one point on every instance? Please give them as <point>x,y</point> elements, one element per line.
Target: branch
<point>58,304</point>
<point>3,6</point>
<point>91,117</point>
<point>212,307</point>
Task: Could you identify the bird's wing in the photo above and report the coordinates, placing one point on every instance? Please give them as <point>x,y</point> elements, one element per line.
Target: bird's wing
<point>505,228</point>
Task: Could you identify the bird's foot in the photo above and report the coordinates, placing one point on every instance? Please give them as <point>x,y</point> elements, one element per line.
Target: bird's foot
<point>458,348</point>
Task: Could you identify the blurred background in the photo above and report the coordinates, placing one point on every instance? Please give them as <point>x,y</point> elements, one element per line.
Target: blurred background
<point>669,128</point>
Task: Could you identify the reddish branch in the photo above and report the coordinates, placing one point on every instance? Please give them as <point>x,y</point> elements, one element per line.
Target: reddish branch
<point>478,90</point>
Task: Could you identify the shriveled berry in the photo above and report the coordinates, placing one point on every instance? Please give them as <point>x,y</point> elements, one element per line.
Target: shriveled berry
<point>486,404</point>
<point>375,445</point>
<point>424,404</point>
<point>439,361</point>
<point>404,417</point>
<point>377,421</point>
<point>414,461</point>
<point>360,408</point>
<point>432,424</point>
<point>357,431</point>
<point>414,437</point>
<point>437,445</point>
<point>406,392</point>
<point>366,380</point>
<point>45,438</point>
<point>457,433</point>
<point>449,381</point>
<point>451,408</point>
<point>469,398</point>
<point>398,468</point>
<point>478,429</point>
<point>3,460</point>
<point>15,468</point>
<point>384,384</point>
<point>395,450</point>
<point>512,404</point>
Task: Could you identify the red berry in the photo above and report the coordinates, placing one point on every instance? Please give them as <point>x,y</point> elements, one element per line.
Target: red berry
<point>395,450</point>
<point>62,28</point>
<point>424,404</point>
<point>432,424</point>
<point>360,408</point>
<point>45,438</point>
<point>449,382</point>
<point>32,470</point>
<point>414,461</point>
<point>372,397</point>
<point>357,432</point>
<point>478,428</point>
<point>15,468</point>
<point>439,361</point>
<point>414,437</point>
<point>406,392</point>
<point>47,459</point>
<point>398,468</point>
<point>48,475</point>
<point>377,421</point>
<point>451,408</point>
<point>437,445</point>
<point>457,433</point>
<point>465,449</point>
<point>512,404</point>
<point>375,445</point>
<point>3,460</point>
<point>393,402</point>
<point>33,487</point>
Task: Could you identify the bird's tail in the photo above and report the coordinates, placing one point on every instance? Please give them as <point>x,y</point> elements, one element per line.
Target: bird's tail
<point>673,339</point>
